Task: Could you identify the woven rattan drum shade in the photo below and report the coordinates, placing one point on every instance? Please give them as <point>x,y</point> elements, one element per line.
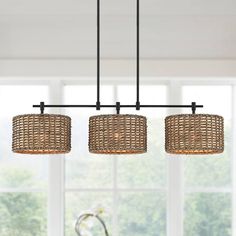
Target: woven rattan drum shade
<point>194,134</point>
<point>118,134</point>
<point>41,134</point>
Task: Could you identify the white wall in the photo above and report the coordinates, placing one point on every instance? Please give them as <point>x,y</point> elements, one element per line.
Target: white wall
<point>117,68</point>
<point>65,29</point>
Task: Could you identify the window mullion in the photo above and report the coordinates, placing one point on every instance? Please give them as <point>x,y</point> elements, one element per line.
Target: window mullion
<point>56,193</point>
<point>115,184</point>
<point>233,154</point>
<point>175,202</point>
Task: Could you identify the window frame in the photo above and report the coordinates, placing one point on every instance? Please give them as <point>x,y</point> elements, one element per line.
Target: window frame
<point>175,181</point>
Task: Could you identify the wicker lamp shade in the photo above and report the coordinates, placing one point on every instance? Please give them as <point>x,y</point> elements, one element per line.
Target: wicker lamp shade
<point>118,134</point>
<point>41,134</point>
<point>194,134</point>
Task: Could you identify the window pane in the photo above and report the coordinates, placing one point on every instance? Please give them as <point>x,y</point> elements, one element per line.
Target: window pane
<point>208,214</point>
<point>83,169</point>
<point>78,203</point>
<point>142,214</point>
<point>18,170</point>
<point>146,170</point>
<point>23,214</point>
<point>210,170</point>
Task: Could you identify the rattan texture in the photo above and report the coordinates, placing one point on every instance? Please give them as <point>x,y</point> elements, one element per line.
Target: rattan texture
<point>194,134</point>
<point>118,134</point>
<point>41,134</point>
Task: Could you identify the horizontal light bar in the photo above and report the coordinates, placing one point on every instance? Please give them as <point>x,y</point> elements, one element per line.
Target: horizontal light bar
<point>114,106</point>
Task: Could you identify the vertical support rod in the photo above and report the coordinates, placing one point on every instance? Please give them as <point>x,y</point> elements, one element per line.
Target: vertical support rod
<point>98,55</point>
<point>138,75</point>
<point>193,107</point>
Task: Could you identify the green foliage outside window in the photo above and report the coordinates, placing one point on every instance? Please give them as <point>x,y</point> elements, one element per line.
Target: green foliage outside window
<point>22,214</point>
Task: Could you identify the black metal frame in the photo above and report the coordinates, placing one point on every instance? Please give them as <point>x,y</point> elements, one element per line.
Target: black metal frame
<point>98,105</point>
<point>118,106</point>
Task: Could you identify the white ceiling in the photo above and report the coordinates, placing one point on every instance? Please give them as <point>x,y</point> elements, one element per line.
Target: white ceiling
<point>170,29</point>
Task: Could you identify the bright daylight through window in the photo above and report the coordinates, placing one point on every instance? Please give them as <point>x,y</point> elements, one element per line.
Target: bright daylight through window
<point>23,181</point>
<point>147,195</point>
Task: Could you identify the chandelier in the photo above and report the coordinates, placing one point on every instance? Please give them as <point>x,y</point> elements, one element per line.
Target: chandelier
<point>118,133</point>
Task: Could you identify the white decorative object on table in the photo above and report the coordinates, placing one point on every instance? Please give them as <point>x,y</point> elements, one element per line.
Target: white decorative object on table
<point>81,226</point>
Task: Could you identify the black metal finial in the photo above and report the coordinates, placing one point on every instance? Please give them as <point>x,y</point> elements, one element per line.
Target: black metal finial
<point>98,105</point>
<point>42,107</point>
<point>117,108</point>
<point>194,107</point>
<point>137,105</point>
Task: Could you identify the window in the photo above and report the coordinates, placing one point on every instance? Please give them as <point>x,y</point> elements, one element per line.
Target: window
<point>88,179</point>
<point>23,181</point>
<point>208,181</point>
<point>141,180</point>
<point>150,194</point>
<point>120,184</point>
